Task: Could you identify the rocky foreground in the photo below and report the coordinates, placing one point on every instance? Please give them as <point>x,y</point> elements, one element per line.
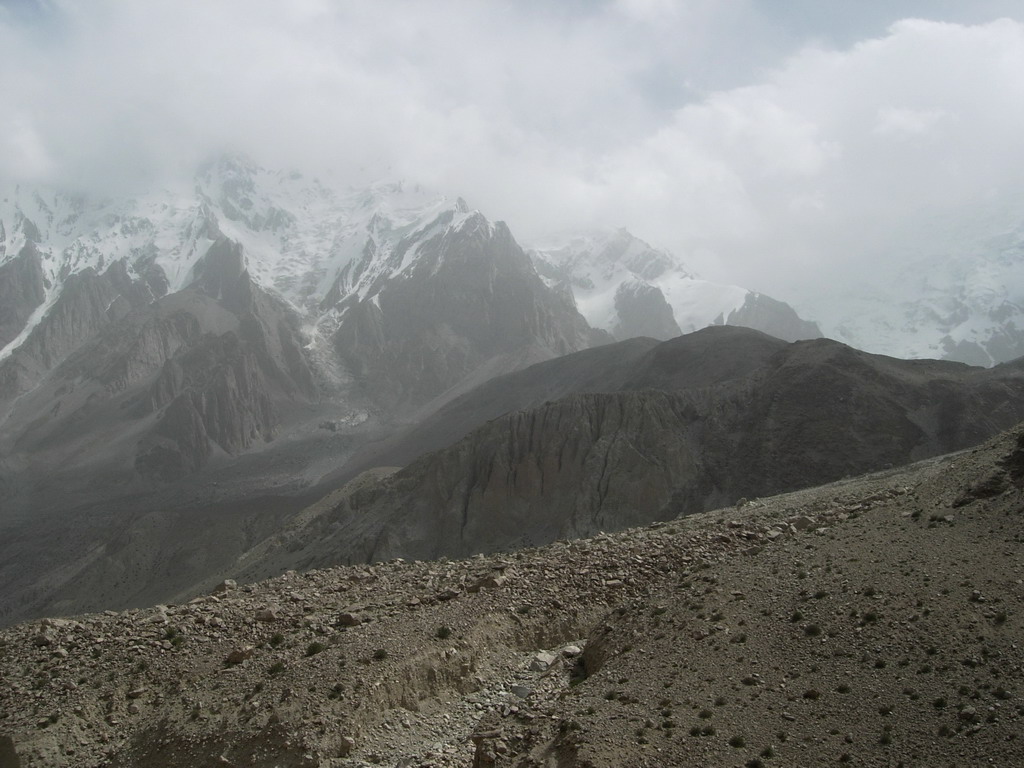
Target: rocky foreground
<point>875,621</point>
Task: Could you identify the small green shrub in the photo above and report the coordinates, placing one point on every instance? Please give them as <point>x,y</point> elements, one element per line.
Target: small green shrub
<point>314,648</point>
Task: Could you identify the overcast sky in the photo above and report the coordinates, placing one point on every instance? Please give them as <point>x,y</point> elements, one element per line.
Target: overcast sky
<point>773,143</point>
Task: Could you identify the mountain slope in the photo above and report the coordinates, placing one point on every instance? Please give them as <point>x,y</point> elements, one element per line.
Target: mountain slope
<point>873,621</point>
<point>219,314</point>
<point>182,352</point>
<point>796,416</point>
<point>703,359</point>
<point>469,296</point>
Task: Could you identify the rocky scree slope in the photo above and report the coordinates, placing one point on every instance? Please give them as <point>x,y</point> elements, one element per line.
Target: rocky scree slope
<point>691,424</point>
<point>873,621</point>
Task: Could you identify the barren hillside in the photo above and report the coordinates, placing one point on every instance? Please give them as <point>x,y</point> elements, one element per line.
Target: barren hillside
<point>875,621</point>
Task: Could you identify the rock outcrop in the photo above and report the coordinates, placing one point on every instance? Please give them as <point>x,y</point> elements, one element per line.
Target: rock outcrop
<point>774,317</point>
<point>642,311</point>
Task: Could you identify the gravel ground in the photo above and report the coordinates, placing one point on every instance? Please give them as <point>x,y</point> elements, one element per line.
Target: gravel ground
<point>876,621</point>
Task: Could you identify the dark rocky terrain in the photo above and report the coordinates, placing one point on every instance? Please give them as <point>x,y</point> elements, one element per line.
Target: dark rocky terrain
<point>618,435</point>
<point>660,431</point>
<point>875,621</point>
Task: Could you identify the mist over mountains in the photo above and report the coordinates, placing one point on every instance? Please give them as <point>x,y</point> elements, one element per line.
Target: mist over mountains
<point>582,385</point>
<point>199,322</point>
<point>175,355</point>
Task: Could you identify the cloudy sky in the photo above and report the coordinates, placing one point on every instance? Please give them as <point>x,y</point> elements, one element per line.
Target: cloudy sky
<point>774,144</point>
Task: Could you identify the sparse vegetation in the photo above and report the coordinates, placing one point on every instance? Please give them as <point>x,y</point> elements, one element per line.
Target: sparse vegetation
<point>314,648</point>
<point>689,688</point>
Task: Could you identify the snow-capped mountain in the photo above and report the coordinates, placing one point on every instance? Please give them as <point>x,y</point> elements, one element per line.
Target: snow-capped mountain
<point>628,288</point>
<point>964,303</point>
<point>156,332</point>
<point>297,234</point>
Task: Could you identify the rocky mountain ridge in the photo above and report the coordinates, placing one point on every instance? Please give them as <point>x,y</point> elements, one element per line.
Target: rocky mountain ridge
<point>217,356</point>
<point>245,297</point>
<point>684,432</point>
<point>612,436</point>
<point>192,357</point>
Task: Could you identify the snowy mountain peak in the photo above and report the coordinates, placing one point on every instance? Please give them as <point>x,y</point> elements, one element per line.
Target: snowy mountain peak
<point>966,306</point>
<point>298,236</point>
<point>625,286</point>
<point>600,255</point>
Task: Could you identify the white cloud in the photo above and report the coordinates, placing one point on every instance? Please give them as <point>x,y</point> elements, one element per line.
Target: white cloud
<point>707,127</point>
<point>906,123</point>
<point>22,152</point>
<point>828,164</point>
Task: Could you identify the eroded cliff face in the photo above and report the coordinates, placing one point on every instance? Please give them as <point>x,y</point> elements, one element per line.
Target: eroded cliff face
<point>781,417</point>
<point>562,470</point>
<point>566,469</point>
<point>215,394</point>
